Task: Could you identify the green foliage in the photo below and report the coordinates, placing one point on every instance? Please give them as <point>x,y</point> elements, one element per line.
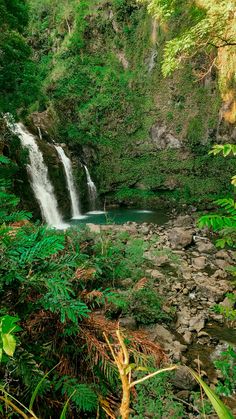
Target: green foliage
<point>82,395</point>
<point>18,75</point>
<point>8,328</point>
<point>155,399</point>
<point>223,222</point>
<point>9,201</point>
<point>219,407</point>
<point>146,306</point>
<point>227,366</point>
<point>205,27</point>
<point>228,311</point>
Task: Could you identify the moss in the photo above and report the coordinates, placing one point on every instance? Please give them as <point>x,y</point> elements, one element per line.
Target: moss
<point>104,95</point>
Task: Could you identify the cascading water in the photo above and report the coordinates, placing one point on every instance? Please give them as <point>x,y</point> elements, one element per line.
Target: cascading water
<point>92,190</point>
<point>75,205</point>
<point>40,182</point>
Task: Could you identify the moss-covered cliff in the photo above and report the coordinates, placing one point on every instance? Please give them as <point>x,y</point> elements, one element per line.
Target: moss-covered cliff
<point>144,137</point>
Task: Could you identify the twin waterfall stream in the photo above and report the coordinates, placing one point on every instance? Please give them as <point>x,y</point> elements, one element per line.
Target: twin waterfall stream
<point>42,185</point>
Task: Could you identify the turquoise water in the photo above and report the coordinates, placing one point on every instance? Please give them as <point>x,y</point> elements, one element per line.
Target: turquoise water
<point>121,216</point>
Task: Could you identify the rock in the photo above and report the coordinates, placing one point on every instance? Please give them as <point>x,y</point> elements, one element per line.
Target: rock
<point>227,303</point>
<point>128,323</point>
<point>183,395</point>
<point>197,323</point>
<point>182,379</point>
<point>158,333</point>
<point>222,254</point>
<point>162,139</point>
<point>180,237</point>
<point>188,337</point>
<point>199,262</point>
<point>220,274</point>
<point>205,246</point>
<point>127,283</point>
<point>159,260</point>
<point>155,274</point>
<point>208,287</point>
<point>183,221</point>
<point>221,263</point>
<point>183,317</point>
<point>94,228</point>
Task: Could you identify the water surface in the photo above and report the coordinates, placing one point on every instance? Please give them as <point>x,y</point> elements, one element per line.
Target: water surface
<point>121,216</point>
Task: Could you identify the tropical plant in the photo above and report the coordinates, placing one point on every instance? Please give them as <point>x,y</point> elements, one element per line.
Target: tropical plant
<point>205,34</point>
<point>8,328</point>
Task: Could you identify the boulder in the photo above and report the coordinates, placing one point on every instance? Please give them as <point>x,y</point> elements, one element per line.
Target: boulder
<point>211,289</point>
<point>158,260</point>
<point>182,379</point>
<point>199,262</point>
<point>162,139</point>
<point>128,323</point>
<point>158,333</point>
<point>205,246</point>
<point>180,237</point>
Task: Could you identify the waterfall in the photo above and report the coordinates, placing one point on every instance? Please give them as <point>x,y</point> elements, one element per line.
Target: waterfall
<point>39,179</point>
<point>40,133</point>
<point>152,60</point>
<point>75,206</point>
<point>92,190</point>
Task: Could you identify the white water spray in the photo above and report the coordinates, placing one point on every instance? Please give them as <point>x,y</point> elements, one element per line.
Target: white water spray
<point>39,179</point>
<point>75,205</point>
<point>92,190</point>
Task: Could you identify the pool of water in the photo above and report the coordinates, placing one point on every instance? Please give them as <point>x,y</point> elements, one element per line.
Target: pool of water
<point>121,216</point>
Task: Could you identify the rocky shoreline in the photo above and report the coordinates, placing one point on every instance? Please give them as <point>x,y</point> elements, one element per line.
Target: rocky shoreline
<point>189,272</point>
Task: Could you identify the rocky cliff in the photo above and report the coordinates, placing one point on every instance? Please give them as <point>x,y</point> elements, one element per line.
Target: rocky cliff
<point>145,138</point>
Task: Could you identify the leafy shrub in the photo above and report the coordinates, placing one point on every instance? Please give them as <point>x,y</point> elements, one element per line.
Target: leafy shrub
<point>146,306</point>
<point>227,366</point>
<point>155,399</point>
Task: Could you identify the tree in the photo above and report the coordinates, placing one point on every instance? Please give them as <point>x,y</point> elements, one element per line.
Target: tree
<point>18,82</point>
<point>206,26</point>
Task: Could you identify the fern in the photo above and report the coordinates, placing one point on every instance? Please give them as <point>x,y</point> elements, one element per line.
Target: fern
<point>82,395</point>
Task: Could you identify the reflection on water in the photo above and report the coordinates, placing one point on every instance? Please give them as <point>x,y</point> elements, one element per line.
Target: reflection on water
<point>121,216</point>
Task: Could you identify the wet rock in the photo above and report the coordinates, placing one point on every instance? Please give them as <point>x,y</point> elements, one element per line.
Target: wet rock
<point>182,379</point>
<point>180,237</point>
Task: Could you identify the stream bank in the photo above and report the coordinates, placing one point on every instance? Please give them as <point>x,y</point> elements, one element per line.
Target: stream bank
<point>190,273</point>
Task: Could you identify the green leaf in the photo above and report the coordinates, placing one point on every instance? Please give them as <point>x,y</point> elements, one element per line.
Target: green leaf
<point>9,343</point>
<point>63,413</point>
<point>220,408</point>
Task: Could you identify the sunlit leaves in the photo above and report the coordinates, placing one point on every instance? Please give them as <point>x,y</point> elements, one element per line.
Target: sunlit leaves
<point>8,328</point>
<point>225,149</point>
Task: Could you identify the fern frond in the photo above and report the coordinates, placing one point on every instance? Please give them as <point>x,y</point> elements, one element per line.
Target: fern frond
<point>81,395</point>
<point>217,222</point>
